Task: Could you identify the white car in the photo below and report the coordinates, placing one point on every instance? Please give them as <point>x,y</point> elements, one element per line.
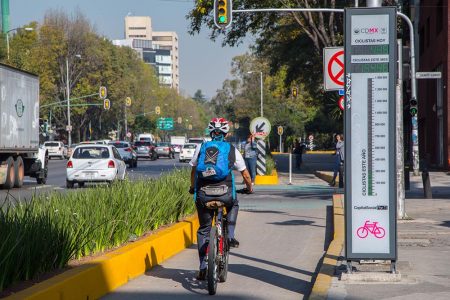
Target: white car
<point>56,149</point>
<point>94,163</point>
<point>187,152</point>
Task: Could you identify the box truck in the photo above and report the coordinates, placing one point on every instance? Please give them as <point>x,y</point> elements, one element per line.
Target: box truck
<point>20,153</point>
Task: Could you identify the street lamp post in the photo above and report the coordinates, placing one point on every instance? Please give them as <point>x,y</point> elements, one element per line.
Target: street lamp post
<point>69,127</point>
<point>261,74</point>
<point>7,36</point>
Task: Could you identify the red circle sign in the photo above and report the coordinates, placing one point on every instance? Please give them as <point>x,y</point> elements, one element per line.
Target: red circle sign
<point>341,102</point>
<point>335,77</point>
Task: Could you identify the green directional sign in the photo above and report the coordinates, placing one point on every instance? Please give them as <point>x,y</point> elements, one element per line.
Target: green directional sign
<point>164,123</point>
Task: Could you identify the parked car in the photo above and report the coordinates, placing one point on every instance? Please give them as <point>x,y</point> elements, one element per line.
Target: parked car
<point>94,163</point>
<point>165,149</point>
<point>56,149</point>
<point>127,153</point>
<point>145,149</point>
<point>187,152</point>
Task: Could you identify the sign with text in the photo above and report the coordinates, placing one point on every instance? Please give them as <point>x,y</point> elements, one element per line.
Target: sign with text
<point>428,75</point>
<point>165,123</point>
<point>333,68</point>
<point>370,189</point>
<point>260,127</point>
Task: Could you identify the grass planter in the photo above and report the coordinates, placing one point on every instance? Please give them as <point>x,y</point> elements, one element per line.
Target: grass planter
<point>267,179</point>
<point>46,233</point>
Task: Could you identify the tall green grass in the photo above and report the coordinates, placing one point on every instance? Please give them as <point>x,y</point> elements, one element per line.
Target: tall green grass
<point>47,232</point>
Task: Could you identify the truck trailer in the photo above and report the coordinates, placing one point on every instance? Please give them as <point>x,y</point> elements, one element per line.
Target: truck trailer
<point>20,152</point>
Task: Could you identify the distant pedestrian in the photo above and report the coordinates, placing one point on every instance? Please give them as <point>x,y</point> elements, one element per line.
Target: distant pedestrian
<point>298,153</point>
<point>339,159</point>
<point>250,156</point>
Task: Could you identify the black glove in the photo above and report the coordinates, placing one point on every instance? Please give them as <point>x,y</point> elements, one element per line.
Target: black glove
<point>191,190</point>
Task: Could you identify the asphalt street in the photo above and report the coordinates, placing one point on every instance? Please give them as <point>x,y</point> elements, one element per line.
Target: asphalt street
<point>56,180</point>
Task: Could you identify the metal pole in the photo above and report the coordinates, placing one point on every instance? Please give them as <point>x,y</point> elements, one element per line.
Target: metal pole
<point>280,144</point>
<point>290,168</point>
<point>126,124</point>
<point>414,121</point>
<point>401,213</point>
<point>7,44</point>
<point>373,3</point>
<point>69,129</point>
<point>356,3</point>
<point>262,115</point>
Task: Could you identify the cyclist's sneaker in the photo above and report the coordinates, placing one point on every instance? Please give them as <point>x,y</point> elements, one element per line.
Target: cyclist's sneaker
<point>234,243</point>
<point>201,274</point>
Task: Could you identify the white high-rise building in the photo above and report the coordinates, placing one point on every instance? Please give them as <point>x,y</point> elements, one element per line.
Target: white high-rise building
<point>163,54</point>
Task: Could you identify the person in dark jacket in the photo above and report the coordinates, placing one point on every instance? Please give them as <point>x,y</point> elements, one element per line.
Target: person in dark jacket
<point>250,156</point>
<point>339,158</point>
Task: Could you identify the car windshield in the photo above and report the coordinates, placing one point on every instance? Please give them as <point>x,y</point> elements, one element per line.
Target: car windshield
<point>119,145</point>
<point>91,153</point>
<point>51,144</point>
<point>189,146</point>
<point>141,143</point>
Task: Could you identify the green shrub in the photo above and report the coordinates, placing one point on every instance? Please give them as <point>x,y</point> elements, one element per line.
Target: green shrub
<point>270,165</point>
<point>47,232</point>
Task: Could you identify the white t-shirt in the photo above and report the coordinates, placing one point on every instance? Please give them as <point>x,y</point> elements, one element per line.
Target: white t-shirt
<point>239,164</point>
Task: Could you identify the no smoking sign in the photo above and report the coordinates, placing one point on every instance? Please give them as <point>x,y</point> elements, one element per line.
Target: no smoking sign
<point>333,68</point>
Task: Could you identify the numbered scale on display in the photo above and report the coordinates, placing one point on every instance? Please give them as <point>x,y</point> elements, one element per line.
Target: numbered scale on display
<point>370,189</point>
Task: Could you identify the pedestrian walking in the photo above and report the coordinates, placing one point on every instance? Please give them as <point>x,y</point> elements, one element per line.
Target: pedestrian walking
<point>250,156</point>
<point>298,153</point>
<point>339,160</point>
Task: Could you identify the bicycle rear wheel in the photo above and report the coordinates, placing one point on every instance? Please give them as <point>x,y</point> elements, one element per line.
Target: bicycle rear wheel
<point>212,262</point>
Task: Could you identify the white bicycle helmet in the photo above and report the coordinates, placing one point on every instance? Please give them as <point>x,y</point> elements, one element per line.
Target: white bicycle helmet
<point>218,126</point>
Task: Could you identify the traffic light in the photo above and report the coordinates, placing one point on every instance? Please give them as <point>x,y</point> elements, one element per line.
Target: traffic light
<point>413,107</point>
<point>106,104</point>
<point>102,92</point>
<point>294,92</point>
<point>222,13</point>
<point>157,110</point>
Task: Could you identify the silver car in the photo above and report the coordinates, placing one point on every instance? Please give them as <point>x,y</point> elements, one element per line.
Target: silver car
<point>127,153</point>
<point>165,149</point>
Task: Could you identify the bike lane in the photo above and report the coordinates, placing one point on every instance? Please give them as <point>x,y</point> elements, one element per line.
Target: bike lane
<point>282,235</point>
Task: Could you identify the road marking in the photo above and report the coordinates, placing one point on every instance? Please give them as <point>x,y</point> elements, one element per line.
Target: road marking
<point>39,187</point>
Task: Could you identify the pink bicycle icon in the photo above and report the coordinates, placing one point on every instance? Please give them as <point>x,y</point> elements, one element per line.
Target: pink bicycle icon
<point>373,228</point>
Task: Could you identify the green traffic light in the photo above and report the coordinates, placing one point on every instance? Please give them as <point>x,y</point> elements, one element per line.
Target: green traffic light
<point>413,111</point>
<point>222,19</point>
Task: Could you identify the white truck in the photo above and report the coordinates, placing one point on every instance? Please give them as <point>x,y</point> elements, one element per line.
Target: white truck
<point>177,142</point>
<point>20,153</point>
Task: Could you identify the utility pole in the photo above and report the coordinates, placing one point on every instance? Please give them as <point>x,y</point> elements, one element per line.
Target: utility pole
<point>262,89</point>
<point>69,127</point>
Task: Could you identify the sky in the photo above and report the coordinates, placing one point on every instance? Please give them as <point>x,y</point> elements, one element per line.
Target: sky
<point>204,64</point>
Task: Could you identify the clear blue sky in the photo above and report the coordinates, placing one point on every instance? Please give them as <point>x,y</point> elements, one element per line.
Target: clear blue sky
<point>203,64</point>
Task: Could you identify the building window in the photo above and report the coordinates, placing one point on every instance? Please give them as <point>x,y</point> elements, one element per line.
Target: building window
<point>137,36</point>
<point>162,38</point>
<point>428,32</point>
<point>137,28</point>
<point>439,17</point>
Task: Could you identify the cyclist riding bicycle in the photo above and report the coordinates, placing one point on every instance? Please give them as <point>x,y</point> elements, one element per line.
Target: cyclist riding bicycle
<point>212,179</point>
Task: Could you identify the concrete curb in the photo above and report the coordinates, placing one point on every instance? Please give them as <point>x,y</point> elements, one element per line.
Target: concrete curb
<point>326,176</point>
<point>103,275</point>
<point>330,261</point>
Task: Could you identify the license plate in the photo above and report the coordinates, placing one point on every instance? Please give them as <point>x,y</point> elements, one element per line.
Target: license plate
<point>208,173</point>
<point>90,172</point>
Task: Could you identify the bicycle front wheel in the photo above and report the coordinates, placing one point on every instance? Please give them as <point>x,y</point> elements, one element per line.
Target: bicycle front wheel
<point>212,261</point>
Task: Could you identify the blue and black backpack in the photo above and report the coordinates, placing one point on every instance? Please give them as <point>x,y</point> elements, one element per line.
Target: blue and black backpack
<point>215,161</point>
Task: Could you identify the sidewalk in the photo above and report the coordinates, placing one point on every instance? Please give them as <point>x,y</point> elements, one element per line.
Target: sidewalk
<point>423,247</point>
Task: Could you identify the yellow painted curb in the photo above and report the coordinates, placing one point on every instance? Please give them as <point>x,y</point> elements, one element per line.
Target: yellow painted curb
<point>267,179</point>
<point>330,261</point>
<point>103,275</point>
<point>321,152</point>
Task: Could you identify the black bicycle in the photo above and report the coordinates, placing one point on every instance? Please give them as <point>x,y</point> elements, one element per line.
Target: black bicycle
<point>218,249</point>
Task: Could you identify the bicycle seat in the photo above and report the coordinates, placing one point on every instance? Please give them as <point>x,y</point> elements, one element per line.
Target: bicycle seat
<point>214,204</point>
